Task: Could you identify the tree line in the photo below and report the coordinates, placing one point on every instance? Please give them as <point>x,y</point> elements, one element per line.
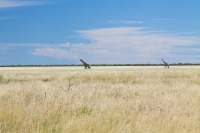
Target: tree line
<point>148,64</point>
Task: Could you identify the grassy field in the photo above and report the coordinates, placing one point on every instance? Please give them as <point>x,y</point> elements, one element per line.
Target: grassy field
<point>101,100</point>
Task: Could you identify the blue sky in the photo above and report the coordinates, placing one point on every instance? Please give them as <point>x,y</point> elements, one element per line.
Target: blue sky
<point>43,32</point>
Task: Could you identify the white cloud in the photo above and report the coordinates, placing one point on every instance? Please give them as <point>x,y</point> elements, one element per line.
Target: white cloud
<point>17,3</point>
<point>130,22</point>
<point>64,45</point>
<point>125,22</point>
<point>197,61</point>
<point>122,45</point>
<point>52,52</point>
<point>2,18</point>
<point>127,45</point>
<point>162,19</point>
<point>8,45</point>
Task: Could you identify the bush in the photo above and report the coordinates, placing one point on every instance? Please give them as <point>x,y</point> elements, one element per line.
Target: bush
<point>1,77</point>
<point>84,111</point>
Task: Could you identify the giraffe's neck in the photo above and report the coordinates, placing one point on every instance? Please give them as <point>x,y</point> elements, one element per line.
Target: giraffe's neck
<point>164,62</point>
<point>83,62</point>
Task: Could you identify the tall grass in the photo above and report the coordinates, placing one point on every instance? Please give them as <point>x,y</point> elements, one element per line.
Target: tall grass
<point>100,102</point>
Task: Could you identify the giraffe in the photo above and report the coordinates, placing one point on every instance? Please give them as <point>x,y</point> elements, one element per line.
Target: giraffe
<point>85,64</point>
<point>166,64</point>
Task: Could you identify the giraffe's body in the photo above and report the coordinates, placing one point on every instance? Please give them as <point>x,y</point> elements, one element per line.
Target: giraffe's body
<point>166,64</point>
<point>86,65</point>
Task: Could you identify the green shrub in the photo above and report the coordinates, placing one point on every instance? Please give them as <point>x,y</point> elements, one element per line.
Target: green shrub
<point>83,111</point>
<point>1,77</point>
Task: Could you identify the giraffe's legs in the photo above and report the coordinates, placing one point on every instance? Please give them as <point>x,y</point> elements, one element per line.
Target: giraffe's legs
<point>166,66</point>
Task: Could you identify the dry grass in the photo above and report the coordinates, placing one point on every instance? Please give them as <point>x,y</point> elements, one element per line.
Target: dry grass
<point>164,101</point>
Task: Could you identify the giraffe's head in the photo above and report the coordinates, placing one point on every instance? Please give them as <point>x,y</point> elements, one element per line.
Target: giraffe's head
<point>81,60</point>
<point>162,59</point>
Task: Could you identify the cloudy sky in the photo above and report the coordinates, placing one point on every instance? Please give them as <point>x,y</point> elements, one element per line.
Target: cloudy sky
<point>43,32</point>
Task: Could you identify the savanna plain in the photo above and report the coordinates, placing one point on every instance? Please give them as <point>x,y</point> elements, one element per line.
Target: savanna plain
<point>100,100</point>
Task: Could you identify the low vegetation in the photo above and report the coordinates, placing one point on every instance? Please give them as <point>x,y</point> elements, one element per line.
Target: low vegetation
<point>100,101</point>
<point>1,77</point>
<point>148,64</point>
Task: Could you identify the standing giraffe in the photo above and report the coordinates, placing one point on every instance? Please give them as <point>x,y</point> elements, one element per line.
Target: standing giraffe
<point>166,64</point>
<point>85,64</point>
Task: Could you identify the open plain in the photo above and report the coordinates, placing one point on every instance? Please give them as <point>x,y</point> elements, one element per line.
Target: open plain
<point>124,99</point>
